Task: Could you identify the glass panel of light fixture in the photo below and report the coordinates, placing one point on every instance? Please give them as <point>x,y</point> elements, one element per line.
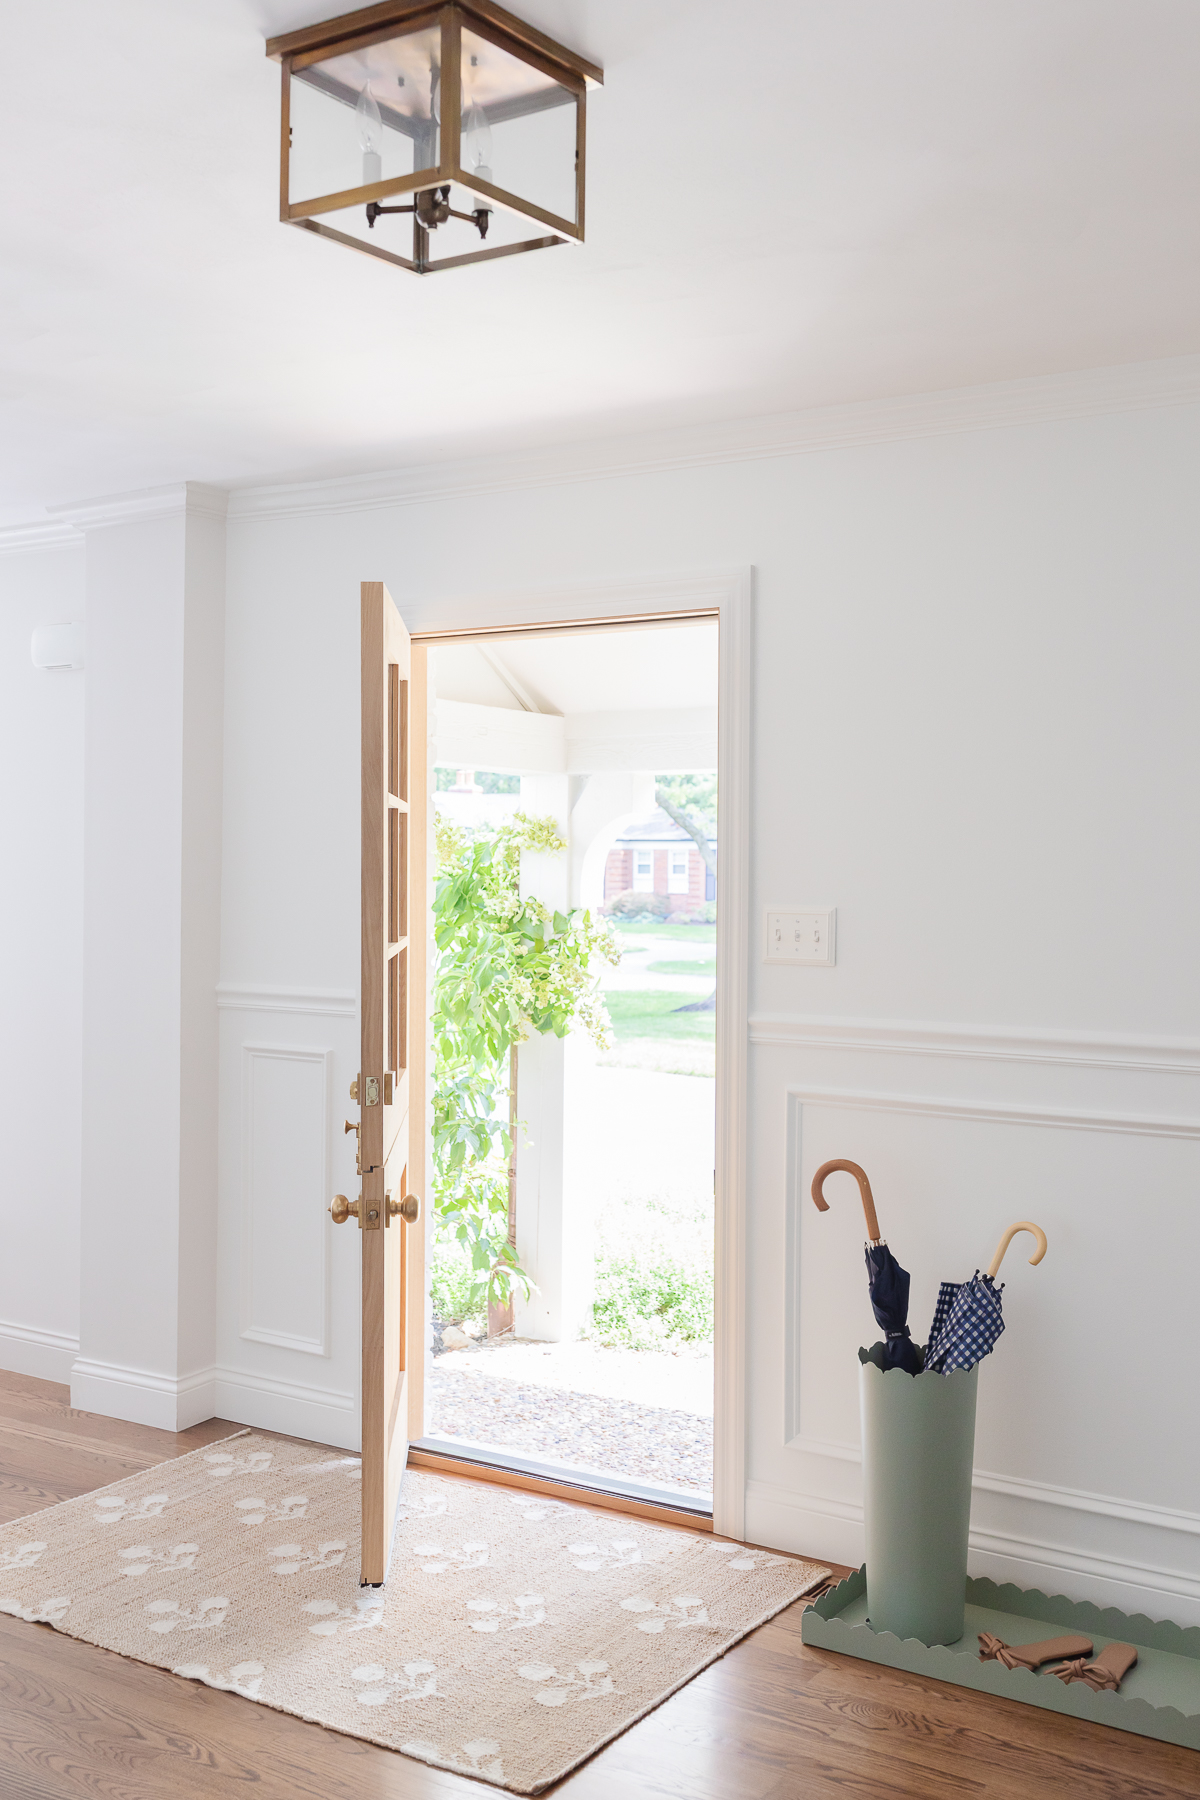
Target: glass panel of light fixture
<point>518,127</point>
<point>364,115</point>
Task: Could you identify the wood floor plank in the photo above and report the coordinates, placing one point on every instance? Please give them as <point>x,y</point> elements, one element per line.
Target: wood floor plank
<point>775,1719</point>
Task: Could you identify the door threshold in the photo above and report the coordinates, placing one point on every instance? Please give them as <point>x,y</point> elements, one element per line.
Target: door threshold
<point>490,1462</point>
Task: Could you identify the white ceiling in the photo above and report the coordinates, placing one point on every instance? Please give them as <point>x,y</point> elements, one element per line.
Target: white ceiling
<point>791,203</point>
<point>642,669</point>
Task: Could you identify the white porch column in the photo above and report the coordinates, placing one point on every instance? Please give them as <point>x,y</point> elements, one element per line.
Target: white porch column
<point>607,804</point>
<point>554,1226</point>
<point>152,863</point>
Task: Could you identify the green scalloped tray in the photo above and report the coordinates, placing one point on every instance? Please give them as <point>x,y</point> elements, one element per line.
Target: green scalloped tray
<point>1160,1698</point>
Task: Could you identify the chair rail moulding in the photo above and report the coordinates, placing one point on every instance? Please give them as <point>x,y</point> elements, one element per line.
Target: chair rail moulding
<point>318,1002</point>
<point>1085,1050</point>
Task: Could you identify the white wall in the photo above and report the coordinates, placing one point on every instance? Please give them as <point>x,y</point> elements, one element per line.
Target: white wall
<point>41,921</point>
<point>152,844</point>
<point>975,735</point>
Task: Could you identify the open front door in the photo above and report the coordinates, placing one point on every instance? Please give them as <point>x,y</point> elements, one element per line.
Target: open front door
<point>390,1079</point>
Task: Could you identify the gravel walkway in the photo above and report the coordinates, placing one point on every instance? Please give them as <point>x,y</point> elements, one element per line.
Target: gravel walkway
<point>582,1431</point>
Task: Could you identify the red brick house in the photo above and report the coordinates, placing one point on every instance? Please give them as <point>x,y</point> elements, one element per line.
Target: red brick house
<point>656,856</point>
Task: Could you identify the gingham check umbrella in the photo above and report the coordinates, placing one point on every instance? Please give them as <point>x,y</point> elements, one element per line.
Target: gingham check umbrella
<point>969,1316</point>
<point>967,1321</point>
<point>887,1282</point>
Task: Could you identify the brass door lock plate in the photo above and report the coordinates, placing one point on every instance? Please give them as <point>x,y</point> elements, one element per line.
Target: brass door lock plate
<point>372,1093</point>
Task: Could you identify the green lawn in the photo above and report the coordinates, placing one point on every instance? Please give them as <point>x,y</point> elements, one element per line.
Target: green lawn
<point>653,1015</point>
<point>637,931</point>
<point>683,968</point>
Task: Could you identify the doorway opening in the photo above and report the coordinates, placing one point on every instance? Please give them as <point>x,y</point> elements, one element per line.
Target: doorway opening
<point>573,999</point>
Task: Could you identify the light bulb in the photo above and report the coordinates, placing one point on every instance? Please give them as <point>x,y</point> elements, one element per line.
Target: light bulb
<point>477,140</point>
<point>370,135</point>
<point>477,147</point>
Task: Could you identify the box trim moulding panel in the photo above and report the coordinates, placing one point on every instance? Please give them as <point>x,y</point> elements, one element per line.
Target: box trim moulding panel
<point>860,1100</point>
<point>1011,1545</point>
<point>322,1057</point>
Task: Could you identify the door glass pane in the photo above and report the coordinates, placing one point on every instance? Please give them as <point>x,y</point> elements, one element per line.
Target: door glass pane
<point>364,115</point>
<point>518,127</point>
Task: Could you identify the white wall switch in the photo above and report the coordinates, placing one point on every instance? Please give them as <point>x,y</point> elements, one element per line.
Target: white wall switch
<point>803,935</point>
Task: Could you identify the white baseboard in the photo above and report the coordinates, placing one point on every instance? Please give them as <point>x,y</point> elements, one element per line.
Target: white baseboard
<point>48,1355</point>
<point>324,1416</point>
<point>817,1525</point>
<point>173,1403</point>
<point>170,1402</point>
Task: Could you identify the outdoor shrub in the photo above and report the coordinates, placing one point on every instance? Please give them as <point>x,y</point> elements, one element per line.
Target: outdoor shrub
<point>508,966</point>
<point>638,906</point>
<point>648,1305</point>
<point>453,1287</point>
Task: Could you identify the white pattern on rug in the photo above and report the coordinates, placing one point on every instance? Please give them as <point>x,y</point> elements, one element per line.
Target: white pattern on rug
<point>515,1636</point>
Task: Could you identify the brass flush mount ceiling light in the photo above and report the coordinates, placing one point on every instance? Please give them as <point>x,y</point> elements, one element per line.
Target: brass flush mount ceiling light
<point>455,127</point>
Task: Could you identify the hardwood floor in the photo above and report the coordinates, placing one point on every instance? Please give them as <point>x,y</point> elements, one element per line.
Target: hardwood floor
<point>773,1720</point>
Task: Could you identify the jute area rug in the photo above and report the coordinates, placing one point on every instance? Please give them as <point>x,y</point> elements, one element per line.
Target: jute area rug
<point>514,1637</point>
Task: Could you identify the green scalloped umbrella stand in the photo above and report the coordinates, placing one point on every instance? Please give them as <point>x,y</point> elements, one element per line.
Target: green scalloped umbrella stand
<point>918,1451</point>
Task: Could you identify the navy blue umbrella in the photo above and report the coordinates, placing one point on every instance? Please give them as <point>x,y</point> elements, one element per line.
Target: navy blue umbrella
<point>969,1315</point>
<point>887,1282</point>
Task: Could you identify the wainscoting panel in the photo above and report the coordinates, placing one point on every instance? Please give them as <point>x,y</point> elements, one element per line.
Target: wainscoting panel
<point>288,1291</point>
<point>285,1187</point>
<point>1088,1471</point>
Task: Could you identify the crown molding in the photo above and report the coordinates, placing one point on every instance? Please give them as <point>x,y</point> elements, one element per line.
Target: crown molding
<point>40,534</point>
<point>144,503</point>
<point>1039,399</point>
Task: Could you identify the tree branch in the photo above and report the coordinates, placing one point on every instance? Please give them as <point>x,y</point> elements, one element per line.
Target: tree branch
<point>687,823</point>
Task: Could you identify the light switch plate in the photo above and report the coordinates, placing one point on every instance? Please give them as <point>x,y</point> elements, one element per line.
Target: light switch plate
<point>802,935</point>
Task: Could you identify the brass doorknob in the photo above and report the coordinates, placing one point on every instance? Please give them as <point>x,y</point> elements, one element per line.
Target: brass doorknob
<point>350,1126</point>
<point>342,1208</point>
<point>408,1209</point>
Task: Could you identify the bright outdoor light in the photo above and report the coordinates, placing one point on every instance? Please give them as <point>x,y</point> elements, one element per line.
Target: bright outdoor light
<point>431,136</point>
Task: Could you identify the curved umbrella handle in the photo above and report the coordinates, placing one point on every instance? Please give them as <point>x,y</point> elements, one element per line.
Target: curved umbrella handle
<point>864,1188</point>
<point>1006,1240</point>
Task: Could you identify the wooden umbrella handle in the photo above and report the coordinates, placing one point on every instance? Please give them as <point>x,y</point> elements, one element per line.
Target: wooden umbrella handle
<point>1006,1240</point>
<point>864,1188</point>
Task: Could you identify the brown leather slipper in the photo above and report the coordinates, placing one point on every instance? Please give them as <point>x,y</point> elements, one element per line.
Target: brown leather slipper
<point>1106,1674</point>
<point>1032,1656</point>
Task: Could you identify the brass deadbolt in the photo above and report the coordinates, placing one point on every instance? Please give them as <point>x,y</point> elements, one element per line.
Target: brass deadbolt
<point>342,1209</point>
<point>408,1209</point>
<point>354,1088</point>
